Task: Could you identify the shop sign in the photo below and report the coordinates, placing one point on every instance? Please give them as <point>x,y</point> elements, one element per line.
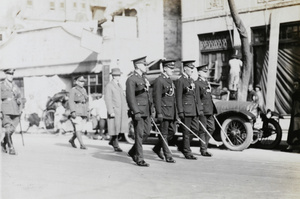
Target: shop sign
<point>214,43</point>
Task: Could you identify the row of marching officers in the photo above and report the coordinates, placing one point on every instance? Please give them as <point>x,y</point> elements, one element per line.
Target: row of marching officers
<point>189,102</point>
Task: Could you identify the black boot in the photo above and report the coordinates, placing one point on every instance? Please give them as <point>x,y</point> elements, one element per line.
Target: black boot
<point>11,149</point>
<point>71,141</point>
<point>3,146</point>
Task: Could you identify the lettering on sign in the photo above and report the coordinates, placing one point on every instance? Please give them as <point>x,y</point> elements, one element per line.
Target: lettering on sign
<point>214,4</point>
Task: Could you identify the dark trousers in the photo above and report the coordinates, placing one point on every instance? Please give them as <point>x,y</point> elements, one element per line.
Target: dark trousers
<point>167,129</point>
<point>209,123</point>
<point>141,131</point>
<point>192,122</point>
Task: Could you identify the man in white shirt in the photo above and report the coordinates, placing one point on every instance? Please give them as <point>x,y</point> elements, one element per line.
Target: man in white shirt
<point>234,73</point>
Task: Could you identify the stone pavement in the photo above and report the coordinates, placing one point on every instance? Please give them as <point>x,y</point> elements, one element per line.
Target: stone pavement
<point>47,167</point>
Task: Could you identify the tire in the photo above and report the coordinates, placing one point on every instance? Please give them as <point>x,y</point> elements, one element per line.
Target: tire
<point>271,136</point>
<point>48,119</point>
<point>129,137</point>
<point>239,132</point>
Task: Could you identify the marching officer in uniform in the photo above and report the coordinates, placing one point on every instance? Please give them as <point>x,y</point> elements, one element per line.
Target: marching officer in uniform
<point>165,106</point>
<point>79,106</point>
<point>188,106</point>
<point>10,110</point>
<point>138,100</point>
<point>209,109</point>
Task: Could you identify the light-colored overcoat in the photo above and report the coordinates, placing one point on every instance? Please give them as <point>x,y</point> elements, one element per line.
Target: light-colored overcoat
<point>116,103</point>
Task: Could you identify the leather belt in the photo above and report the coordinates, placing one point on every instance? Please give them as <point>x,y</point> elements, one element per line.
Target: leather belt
<point>79,102</point>
<point>7,99</point>
<point>139,92</point>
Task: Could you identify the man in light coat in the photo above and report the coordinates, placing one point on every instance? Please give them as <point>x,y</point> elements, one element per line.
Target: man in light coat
<point>117,109</point>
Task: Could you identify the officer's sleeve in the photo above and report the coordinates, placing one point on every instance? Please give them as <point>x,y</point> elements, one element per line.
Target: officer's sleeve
<point>157,92</point>
<point>179,92</point>
<point>71,100</point>
<point>108,99</point>
<point>130,96</point>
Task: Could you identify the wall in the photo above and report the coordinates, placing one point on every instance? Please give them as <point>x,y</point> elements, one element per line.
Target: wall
<point>172,29</point>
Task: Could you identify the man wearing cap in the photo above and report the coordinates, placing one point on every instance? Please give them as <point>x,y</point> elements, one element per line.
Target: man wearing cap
<point>117,109</point>
<point>165,106</point>
<point>10,110</point>
<point>209,109</point>
<point>78,102</point>
<point>138,100</point>
<point>188,106</point>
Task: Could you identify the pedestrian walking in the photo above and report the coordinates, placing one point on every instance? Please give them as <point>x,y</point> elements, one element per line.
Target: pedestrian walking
<point>79,106</point>
<point>117,109</point>
<point>11,109</point>
<point>138,100</point>
<point>165,105</point>
<point>293,138</point>
<point>209,109</point>
<point>189,109</point>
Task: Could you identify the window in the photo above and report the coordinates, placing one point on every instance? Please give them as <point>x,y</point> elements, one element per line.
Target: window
<point>1,37</point>
<point>83,6</point>
<point>62,5</point>
<point>260,35</point>
<point>290,32</point>
<point>74,5</point>
<point>52,5</point>
<point>29,3</point>
<point>94,83</point>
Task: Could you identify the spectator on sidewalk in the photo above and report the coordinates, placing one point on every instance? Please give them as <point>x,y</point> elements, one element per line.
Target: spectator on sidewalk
<point>235,65</point>
<point>99,116</point>
<point>258,98</point>
<point>293,139</point>
<point>251,93</point>
<point>59,118</point>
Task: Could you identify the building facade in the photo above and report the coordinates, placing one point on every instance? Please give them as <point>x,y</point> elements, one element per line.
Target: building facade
<point>273,27</point>
<point>44,41</point>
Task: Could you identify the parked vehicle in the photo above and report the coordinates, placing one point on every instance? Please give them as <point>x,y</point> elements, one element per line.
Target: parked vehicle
<point>243,124</point>
<point>49,112</point>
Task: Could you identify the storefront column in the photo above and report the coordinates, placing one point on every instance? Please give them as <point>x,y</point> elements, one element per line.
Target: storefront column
<point>272,66</point>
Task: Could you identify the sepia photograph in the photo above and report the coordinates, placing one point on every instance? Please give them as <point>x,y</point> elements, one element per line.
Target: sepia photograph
<point>150,99</point>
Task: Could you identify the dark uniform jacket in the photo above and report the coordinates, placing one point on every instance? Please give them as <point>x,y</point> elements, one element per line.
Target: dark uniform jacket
<point>188,99</point>
<point>164,97</point>
<point>11,98</point>
<point>206,98</point>
<point>78,101</point>
<point>137,95</point>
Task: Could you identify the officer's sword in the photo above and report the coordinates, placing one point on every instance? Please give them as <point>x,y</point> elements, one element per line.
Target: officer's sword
<point>191,131</point>
<point>209,134</point>
<point>222,130</point>
<point>21,132</point>
<point>160,134</point>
